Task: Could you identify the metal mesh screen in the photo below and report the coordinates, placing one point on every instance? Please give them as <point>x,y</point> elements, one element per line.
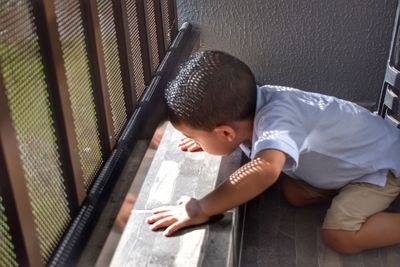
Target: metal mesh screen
<point>7,251</point>
<point>28,100</point>
<point>136,53</point>
<point>152,35</point>
<point>112,64</point>
<point>71,31</point>
<point>167,20</point>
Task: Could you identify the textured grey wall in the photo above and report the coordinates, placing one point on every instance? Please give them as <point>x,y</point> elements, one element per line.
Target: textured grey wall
<point>336,47</point>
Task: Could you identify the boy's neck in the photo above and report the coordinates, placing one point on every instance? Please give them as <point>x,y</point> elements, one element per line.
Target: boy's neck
<point>243,129</point>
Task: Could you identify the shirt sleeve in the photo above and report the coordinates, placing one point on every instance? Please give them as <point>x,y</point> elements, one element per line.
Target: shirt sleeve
<point>279,128</point>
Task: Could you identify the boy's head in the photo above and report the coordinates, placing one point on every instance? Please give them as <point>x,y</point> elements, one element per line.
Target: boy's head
<point>210,89</point>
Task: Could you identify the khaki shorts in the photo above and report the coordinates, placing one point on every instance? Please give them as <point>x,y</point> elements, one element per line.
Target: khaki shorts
<point>355,202</point>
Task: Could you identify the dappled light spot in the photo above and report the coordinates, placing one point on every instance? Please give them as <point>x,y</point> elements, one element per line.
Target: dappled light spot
<point>321,102</point>
<point>273,134</point>
<point>241,176</point>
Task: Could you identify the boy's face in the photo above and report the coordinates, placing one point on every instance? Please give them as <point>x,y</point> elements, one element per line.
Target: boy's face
<point>216,142</point>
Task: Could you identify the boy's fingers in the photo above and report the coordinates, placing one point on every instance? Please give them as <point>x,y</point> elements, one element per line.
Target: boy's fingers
<point>193,147</point>
<point>163,223</point>
<point>158,217</point>
<point>173,228</point>
<point>185,142</point>
<point>185,146</point>
<point>189,145</point>
<point>161,209</point>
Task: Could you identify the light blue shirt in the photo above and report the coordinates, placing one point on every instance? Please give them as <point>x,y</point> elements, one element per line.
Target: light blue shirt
<point>329,142</point>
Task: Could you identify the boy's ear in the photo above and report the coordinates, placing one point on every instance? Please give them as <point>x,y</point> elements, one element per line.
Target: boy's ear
<point>225,131</point>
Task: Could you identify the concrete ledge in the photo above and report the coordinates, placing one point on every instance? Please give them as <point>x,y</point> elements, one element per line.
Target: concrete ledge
<point>174,173</point>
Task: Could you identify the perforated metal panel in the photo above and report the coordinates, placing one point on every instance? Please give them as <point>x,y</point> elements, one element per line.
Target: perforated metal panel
<point>7,251</point>
<point>112,64</point>
<point>152,35</point>
<point>28,100</point>
<point>136,53</point>
<point>71,31</point>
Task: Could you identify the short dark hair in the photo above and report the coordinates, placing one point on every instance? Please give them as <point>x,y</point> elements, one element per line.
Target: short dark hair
<point>210,88</point>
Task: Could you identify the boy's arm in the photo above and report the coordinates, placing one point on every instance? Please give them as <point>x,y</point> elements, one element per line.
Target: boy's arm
<point>244,184</point>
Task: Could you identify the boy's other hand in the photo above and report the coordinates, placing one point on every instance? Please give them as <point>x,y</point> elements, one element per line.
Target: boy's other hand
<point>187,144</point>
<point>187,212</point>
<point>156,139</point>
<point>125,211</point>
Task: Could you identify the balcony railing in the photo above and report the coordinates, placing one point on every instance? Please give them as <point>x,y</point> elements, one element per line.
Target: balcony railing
<point>72,73</point>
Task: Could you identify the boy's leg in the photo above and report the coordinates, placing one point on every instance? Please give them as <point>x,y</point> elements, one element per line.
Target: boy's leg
<point>355,221</point>
<point>300,194</point>
<point>380,230</point>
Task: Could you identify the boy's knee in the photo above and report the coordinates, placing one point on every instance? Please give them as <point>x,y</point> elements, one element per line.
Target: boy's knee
<point>344,242</point>
<point>293,194</point>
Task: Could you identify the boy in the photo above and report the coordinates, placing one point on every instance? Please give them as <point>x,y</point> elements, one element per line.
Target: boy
<point>327,146</point>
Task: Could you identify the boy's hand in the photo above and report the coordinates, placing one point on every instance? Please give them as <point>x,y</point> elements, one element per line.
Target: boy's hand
<point>187,212</point>
<point>187,144</point>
